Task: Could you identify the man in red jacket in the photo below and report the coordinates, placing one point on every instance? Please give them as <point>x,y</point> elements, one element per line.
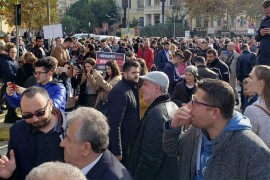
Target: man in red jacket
<point>147,54</point>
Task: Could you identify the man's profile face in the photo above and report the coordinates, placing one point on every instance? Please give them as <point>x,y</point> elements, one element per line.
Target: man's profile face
<point>41,75</point>
<point>36,105</point>
<point>267,11</point>
<point>72,148</point>
<point>148,91</point>
<point>133,74</point>
<point>200,114</point>
<point>210,57</point>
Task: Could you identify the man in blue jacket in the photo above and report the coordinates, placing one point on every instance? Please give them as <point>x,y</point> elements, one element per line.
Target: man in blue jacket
<point>44,70</point>
<point>164,56</point>
<point>263,36</point>
<point>35,139</point>
<point>220,143</point>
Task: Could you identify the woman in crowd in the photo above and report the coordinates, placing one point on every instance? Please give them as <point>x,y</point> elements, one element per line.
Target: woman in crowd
<point>187,58</point>
<point>259,111</point>
<point>27,68</point>
<point>112,77</point>
<point>67,77</point>
<point>88,87</point>
<point>9,68</point>
<point>185,89</point>
<point>89,51</point>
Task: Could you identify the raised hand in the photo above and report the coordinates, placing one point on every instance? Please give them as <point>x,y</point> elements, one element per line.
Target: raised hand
<point>7,166</point>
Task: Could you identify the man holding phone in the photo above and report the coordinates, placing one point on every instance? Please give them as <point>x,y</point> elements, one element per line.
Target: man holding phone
<point>263,36</point>
<point>44,70</point>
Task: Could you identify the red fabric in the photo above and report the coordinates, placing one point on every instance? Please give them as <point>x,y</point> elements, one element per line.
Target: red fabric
<point>148,56</point>
<point>237,49</point>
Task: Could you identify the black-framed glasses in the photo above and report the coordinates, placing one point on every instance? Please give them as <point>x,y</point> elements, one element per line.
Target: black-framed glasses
<point>197,102</point>
<point>39,73</point>
<point>39,113</point>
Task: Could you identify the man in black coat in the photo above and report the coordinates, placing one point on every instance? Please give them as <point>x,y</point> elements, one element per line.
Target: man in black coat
<point>245,64</point>
<point>203,70</point>
<point>85,146</point>
<point>39,51</point>
<point>123,111</point>
<point>147,160</point>
<point>218,66</point>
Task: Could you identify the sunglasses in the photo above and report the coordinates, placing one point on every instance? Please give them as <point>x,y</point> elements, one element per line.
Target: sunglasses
<point>39,113</point>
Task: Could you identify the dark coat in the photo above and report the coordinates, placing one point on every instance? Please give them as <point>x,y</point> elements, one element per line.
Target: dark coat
<point>123,115</point>
<point>91,54</point>
<point>161,60</point>
<point>205,72</point>
<point>221,69</point>
<point>37,52</point>
<point>147,160</point>
<point>173,75</point>
<point>9,69</point>
<point>24,73</point>
<point>264,52</point>
<point>180,94</point>
<point>108,168</point>
<point>245,64</point>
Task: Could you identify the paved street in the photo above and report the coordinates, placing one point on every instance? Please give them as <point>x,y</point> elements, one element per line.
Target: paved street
<point>3,147</point>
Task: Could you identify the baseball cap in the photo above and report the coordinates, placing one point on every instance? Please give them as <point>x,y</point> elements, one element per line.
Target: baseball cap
<point>157,77</point>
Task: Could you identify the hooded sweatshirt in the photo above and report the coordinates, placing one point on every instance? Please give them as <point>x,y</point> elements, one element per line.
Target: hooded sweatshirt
<point>204,152</point>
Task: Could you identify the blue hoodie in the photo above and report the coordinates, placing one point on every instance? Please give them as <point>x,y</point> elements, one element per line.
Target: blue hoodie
<point>204,152</point>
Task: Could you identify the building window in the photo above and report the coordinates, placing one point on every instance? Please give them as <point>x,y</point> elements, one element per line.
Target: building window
<point>198,21</point>
<point>241,21</point>
<point>219,22</point>
<point>148,3</point>
<point>212,22</point>
<point>125,4</point>
<point>157,2</point>
<point>141,21</point>
<point>140,4</point>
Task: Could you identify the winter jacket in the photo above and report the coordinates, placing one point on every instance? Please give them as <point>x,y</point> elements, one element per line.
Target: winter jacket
<point>173,75</point>
<point>9,69</point>
<point>161,60</point>
<point>237,154</point>
<point>147,160</point>
<point>221,69</point>
<point>264,53</point>
<point>259,119</point>
<point>148,55</point>
<point>24,73</point>
<point>180,94</point>
<point>61,54</point>
<point>123,115</point>
<point>245,64</point>
<point>57,93</point>
<point>37,52</point>
<point>205,72</point>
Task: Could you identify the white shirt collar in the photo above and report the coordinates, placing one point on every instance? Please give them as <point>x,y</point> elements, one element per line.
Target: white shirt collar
<point>87,168</point>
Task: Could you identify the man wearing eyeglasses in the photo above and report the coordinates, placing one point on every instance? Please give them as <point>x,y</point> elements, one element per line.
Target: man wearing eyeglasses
<point>35,139</point>
<point>220,143</point>
<point>43,73</point>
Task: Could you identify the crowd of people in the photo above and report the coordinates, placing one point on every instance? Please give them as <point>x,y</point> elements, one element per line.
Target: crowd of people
<point>167,113</point>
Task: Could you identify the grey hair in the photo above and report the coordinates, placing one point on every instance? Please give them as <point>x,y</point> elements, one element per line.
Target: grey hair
<point>163,90</point>
<point>94,127</point>
<point>55,170</point>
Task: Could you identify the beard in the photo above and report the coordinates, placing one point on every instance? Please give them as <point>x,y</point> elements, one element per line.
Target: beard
<point>42,123</point>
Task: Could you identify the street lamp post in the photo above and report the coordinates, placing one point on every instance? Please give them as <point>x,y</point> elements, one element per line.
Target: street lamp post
<point>174,18</point>
<point>163,10</point>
